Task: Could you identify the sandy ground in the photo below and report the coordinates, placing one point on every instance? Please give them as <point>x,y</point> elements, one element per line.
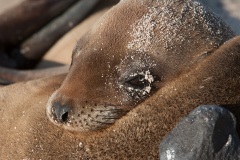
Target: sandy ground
<point>60,53</point>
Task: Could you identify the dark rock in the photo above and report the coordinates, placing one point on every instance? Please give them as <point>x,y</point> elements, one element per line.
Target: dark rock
<point>207,133</point>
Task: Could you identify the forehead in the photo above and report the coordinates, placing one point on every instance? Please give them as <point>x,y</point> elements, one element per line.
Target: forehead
<point>160,28</point>
<point>115,27</point>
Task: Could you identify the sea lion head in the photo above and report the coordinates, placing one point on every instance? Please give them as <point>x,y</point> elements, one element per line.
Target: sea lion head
<point>131,52</point>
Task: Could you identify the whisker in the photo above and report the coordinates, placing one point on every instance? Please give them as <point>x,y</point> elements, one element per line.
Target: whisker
<point>107,110</point>
<point>112,118</point>
<point>103,122</point>
<point>106,116</point>
<point>110,105</point>
<point>114,112</point>
<point>120,112</point>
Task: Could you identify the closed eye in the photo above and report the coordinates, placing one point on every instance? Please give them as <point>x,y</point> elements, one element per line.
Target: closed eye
<point>138,82</point>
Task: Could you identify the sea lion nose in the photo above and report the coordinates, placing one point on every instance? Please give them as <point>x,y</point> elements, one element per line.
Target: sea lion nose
<point>61,112</point>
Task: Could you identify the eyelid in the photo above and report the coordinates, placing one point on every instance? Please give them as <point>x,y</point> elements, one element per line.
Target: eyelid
<point>134,78</point>
<point>126,76</point>
<point>146,76</point>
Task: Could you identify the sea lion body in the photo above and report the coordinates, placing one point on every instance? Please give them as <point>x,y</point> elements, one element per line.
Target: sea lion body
<point>171,83</point>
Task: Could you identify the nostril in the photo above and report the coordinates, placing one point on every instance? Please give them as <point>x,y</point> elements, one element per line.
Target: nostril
<point>61,112</point>
<point>65,117</point>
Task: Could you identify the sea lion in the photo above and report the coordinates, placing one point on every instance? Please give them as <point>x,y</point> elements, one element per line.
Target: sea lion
<point>30,135</point>
<point>153,43</point>
<point>26,132</point>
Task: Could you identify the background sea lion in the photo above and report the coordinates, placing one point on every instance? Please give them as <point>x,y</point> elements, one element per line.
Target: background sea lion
<point>21,44</point>
<point>29,134</point>
<point>58,55</point>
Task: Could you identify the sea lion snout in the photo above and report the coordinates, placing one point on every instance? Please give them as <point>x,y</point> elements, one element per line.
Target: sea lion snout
<point>82,115</point>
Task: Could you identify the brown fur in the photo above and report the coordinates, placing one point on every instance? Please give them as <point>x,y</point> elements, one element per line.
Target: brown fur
<point>145,43</point>
<point>25,131</point>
